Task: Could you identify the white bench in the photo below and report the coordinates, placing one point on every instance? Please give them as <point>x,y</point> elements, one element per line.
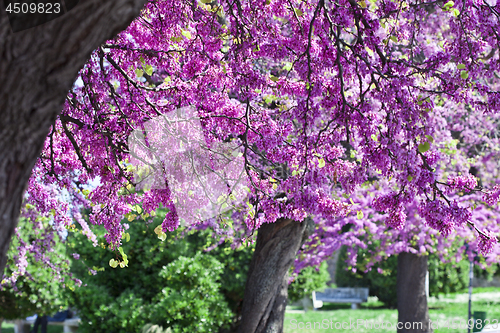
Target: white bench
<point>354,296</point>
<point>23,326</point>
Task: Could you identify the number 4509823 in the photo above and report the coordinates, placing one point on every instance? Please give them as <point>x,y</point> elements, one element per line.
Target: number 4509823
<point>40,8</point>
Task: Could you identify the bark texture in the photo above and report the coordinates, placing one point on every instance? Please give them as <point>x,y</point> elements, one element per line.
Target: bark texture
<point>412,301</point>
<point>37,68</point>
<point>266,290</point>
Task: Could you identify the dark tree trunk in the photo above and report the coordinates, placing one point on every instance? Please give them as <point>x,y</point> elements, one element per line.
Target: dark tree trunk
<point>266,290</point>
<point>413,312</point>
<point>37,68</point>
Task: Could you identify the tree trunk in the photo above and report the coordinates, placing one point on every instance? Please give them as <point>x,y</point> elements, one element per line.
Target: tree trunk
<point>413,313</point>
<point>266,290</point>
<point>37,68</point>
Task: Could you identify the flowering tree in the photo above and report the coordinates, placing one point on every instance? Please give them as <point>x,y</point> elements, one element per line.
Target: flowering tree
<point>316,98</point>
<point>37,67</point>
<point>468,144</point>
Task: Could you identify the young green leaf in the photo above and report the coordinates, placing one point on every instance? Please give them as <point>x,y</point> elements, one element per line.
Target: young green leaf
<point>148,69</point>
<point>423,147</point>
<point>113,263</point>
<point>321,163</point>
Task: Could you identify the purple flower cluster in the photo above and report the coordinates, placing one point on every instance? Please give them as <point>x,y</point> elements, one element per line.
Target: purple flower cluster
<point>319,115</point>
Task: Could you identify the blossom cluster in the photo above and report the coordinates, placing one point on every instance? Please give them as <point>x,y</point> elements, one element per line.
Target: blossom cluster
<point>318,97</point>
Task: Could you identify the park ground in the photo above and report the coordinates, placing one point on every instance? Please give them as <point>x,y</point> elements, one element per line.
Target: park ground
<point>442,310</point>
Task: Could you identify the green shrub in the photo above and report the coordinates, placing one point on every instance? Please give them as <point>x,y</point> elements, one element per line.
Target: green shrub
<point>192,300</point>
<point>307,281</point>
<point>447,278</point>
<point>167,284</point>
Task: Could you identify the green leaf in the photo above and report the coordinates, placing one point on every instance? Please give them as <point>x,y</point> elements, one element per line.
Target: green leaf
<point>464,75</point>
<point>448,5</point>
<point>274,78</point>
<point>321,163</point>
<point>430,138</point>
<point>423,147</point>
<point>186,34</point>
<point>205,1</point>
<point>374,137</point>
<point>298,12</point>
<point>148,69</point>
<point>287,66</point>
<point>410,178</point>
<point>126,236</point>
<point>130,217</point>
<point>394,39</point>
<point>360,215</point>
<point>139,72</point>
<point>141,59</point>
<point>460,66</point>
<point>113,263</point>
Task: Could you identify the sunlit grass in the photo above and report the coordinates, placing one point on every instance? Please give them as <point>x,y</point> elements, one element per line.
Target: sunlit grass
<point>445,308</point>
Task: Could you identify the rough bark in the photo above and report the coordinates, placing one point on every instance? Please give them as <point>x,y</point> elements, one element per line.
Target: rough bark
<point>37,68</point>
<point>266,290</point>
<point>412,300</point>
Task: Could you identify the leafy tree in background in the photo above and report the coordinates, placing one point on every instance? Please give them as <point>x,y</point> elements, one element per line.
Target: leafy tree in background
<point>40,290</point>
<point>308,280</point>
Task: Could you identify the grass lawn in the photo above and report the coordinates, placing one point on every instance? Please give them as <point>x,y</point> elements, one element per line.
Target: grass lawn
<point>446,307</point>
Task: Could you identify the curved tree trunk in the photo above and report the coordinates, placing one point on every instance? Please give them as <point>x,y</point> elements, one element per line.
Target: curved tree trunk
<point>413,313</point>
<point>266,290</point>
<point>37,68</point>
